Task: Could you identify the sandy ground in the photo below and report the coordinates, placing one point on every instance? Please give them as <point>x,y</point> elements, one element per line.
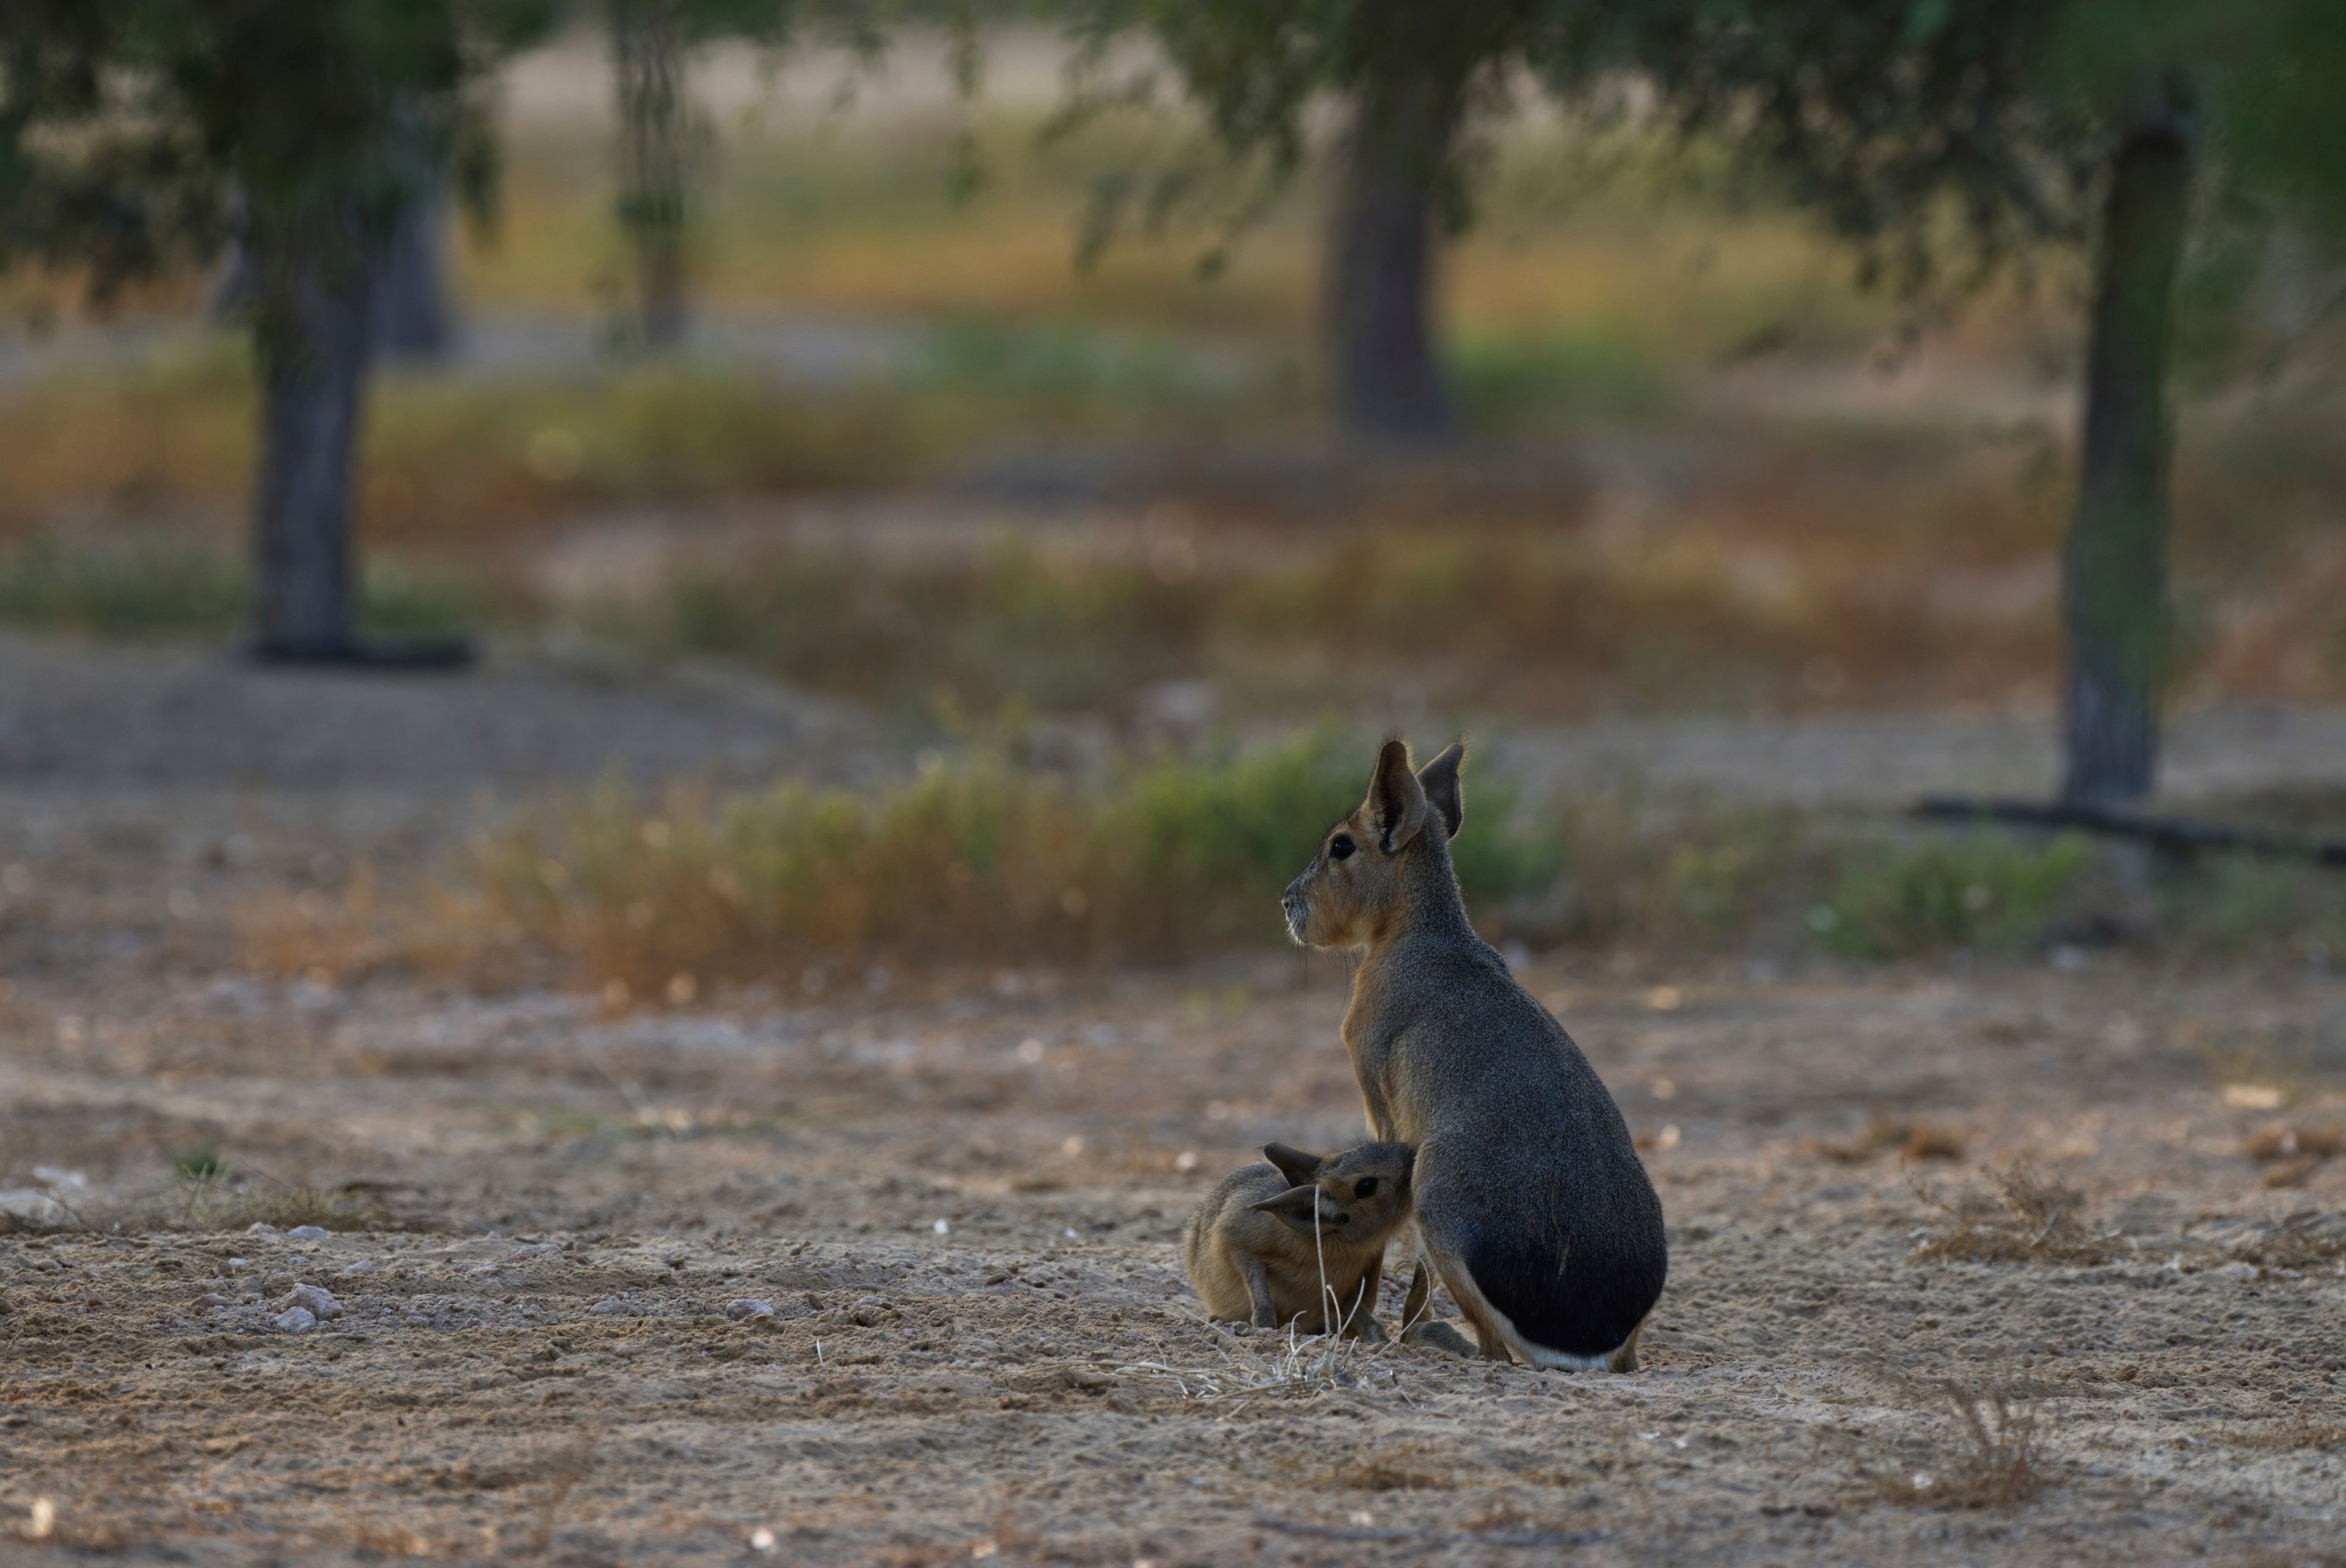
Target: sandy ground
<point>959,1198</point>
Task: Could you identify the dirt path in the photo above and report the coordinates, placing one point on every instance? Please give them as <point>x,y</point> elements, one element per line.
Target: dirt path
<point>961,1209</point>
<point>959,1198</point>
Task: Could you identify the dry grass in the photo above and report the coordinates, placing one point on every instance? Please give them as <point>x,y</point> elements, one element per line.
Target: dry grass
<point>987,862</point>
<point>1498,612</point>
<point>225,1201</point>
<point>675,897</point>
<point>1911,1140</point>
<point>363,931</point>
<point>1998,1457</point>
<point>1250,1369</point>
<point>2027,1217</point>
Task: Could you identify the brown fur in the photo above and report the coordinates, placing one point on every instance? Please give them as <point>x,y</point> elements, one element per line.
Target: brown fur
<point>1252,1253</point>
<point>1527,1189</point>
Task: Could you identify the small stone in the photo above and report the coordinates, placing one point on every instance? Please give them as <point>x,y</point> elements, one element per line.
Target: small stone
<point>240,1262</point>
<point>613,1307</point>
<point>297,1320</point>
<point>309,1233</point>
<point>363,1265</point>
<point>317,1299</point>
<point>262,1227</point>
<point>745,1308</point>
<point>213,1299</point>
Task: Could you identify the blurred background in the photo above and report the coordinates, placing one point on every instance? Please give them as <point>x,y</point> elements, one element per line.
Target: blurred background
<point>1082,427</point>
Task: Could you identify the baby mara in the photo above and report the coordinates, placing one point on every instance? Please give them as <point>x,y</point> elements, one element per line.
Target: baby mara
<point>1296,1238</point>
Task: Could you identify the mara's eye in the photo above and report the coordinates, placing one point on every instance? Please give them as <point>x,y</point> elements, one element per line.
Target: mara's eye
<point>1339,848</point>
<point>1365,1187</point>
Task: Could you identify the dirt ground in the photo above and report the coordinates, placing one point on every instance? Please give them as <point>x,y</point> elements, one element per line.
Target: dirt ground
<point>958,1196</point>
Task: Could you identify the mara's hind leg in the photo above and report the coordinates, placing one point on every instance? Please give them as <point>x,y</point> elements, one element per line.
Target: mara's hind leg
<point>1625,1359</point>
<point>1413,1306</point>
<point>1489,1335</point>
<point>1419,1330</point>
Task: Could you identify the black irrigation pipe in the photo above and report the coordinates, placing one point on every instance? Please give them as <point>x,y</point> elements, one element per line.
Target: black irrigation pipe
<point>2174,835</point>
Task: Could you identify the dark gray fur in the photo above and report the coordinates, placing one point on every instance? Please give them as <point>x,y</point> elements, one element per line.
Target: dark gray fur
<point>1525,1178</point>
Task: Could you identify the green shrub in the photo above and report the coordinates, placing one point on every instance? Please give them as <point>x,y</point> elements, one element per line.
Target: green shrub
<point>1985,891</point>
<point>985,862</point>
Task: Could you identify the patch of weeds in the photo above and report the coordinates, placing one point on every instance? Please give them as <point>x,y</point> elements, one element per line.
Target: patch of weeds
<point>210,1196</point>
<point>1692,876</point>
<point>287,1205</point>
<point>1507,383</point>
<point>2028,1216</point>
<point>984,862</point>
<point>1984,891</point>
<point>363,932</point>
<point>1066,368</point>
<point>134,585</point>
<point>156,584</point>
<point>1997,1458</point>
<point>1008,623</point>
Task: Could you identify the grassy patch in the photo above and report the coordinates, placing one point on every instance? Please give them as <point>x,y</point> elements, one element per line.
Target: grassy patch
<point>161,584</point>
<point>977,631</point>
<point>1490,614</point>
<point>991,861</point>
<point>1985,891</point>
<point>657,895</point>
<point>1506,383</point>
<point>137,586</point>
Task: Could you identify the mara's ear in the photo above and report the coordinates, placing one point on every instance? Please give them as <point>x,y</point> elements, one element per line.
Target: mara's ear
<point>1396,802</point>
<point>1297,1206</point>
<point>1293,1164</point>
<point>1439,779</point>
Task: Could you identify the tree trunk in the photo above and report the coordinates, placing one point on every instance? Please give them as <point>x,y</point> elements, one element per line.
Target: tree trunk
<point>2113,568</point>
<point>410,314</point>
<point>313,330</point>
<point>1379,288</point>
<point>654,163</point>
